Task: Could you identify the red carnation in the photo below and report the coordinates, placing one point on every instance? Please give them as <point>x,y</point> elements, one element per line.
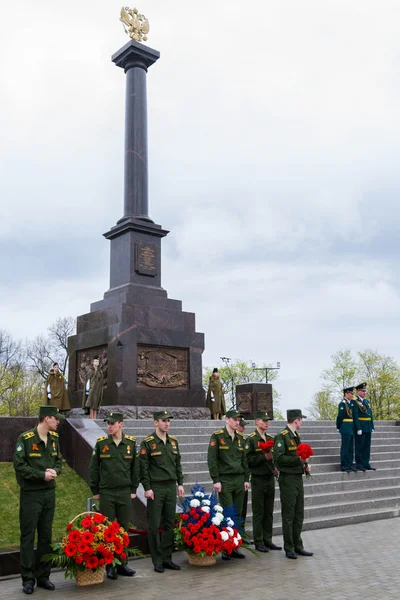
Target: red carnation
<point>78,559</point>
<point>92,562</point>
<point>266,446</point>
<point>126,540</point>
<point>87,522</point>
<point>118,547</point>
<point>74,536</point>
<point>87,537</point>
<point>109,535</point>
<point>69,527</point>
<point>98,518</point>
<point>70,550</point>
<point>123,556</point>
<point>304,451</point>
<point>82,547</point>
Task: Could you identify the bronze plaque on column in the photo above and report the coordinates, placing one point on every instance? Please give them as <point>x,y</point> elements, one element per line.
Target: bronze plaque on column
<point>146,258</point>
<point>162,367</point>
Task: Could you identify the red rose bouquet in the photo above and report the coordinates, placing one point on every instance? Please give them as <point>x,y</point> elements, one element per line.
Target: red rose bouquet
<point>304,451</point>
<point>266,446</point>
<point>203,529</point>
<point>90,542</point>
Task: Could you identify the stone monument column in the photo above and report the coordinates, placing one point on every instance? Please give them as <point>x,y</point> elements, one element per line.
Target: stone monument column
<point>149,348</point>
<point>135,59</point>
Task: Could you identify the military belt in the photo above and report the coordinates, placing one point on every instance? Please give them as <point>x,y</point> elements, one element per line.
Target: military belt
<point>347,421</point>
<point>364,418</point>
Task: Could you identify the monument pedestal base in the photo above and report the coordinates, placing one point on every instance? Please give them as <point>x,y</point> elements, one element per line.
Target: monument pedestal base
<point>254,397</point>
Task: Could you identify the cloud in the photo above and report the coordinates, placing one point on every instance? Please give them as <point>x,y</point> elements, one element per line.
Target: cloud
<point>273,137</point>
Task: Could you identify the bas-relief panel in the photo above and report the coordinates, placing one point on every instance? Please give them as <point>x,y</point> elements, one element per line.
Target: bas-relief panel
<point>264,402</point>
<point>162,367</point>
<point>244,403</point>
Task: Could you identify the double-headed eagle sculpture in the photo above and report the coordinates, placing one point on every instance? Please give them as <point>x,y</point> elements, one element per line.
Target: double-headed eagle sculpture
<point>135,24</point>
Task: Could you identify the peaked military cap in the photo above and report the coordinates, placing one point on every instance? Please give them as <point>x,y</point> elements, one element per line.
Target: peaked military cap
<point>233,413</point>
<point>162,414</point>
<point>50,411</point>
<point>243,423</point>
<point>262,415</point>
<point>114,417</point>
<point>295,413</point>
<point>348,389</point>
<point>362,386</point>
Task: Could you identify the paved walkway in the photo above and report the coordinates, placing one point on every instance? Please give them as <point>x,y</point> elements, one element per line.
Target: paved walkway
<point>353,562</point>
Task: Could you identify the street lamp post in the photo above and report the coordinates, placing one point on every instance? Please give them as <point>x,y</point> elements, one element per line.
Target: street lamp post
<point>227,362</point>
<point>266,369</point>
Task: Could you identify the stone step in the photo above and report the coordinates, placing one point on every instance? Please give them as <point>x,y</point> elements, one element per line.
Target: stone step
<point>204,436</point>
<point>251,423</point>
<point>318,511</point>
<point>194,444</point>
<point>341,519</point>
<point>318,464</point>
<point>202,477</point>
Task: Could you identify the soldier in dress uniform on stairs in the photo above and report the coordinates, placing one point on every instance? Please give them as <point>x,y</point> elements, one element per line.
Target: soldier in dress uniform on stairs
<point>345,426</point>
<point>364,424</point>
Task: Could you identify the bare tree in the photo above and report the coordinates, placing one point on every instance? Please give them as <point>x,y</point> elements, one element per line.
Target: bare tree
<point>11,361</point>
<point>43,351</point>
<point>59,333</point>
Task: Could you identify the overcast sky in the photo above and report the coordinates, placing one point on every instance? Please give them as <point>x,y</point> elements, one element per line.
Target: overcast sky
<point>274,137</point>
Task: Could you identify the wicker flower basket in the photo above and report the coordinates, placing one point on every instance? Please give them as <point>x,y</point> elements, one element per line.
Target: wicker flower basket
<point>202,561</point>
<point>90,577</point>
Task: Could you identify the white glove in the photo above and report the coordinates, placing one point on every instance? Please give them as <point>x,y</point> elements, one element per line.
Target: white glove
<point>359,432</point>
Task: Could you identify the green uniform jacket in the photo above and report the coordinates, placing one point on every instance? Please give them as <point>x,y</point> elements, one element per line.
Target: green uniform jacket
<point>112,466</point>
<point>285,448</point>
<point>227,457</point>
<point>59,395</point>
<point>344,419</point>
<point>160,462</point>
<point>32,457</point>
<point>362,413</point>
<point>258,465</point>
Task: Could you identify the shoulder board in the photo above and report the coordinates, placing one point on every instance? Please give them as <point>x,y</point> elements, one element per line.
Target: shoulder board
<point>218,431</point>
<point>54,433</point>
<point>173,437</point>
<point>270,437</point>
<point>284,432</point>
<point>149,438</point>
<point>130,437</point>
<point>103,437</point>
<point>241,434</point>
<point>28,435</point>
<point>252,434</point>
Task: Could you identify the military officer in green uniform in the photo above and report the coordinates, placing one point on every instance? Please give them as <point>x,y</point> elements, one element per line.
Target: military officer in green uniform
<point>160,472</point>
<point>37,464</point>
<point>291,468</point>
<point>228,467</point>
<point>263,474</point>
<point>345,426</point>
<point>364,425</point>
<point>113,478</point>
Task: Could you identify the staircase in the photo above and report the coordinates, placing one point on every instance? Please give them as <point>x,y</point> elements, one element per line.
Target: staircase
<point>332,498</point>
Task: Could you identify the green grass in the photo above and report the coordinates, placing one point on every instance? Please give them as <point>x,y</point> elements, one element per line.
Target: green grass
<point>71,495</point>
